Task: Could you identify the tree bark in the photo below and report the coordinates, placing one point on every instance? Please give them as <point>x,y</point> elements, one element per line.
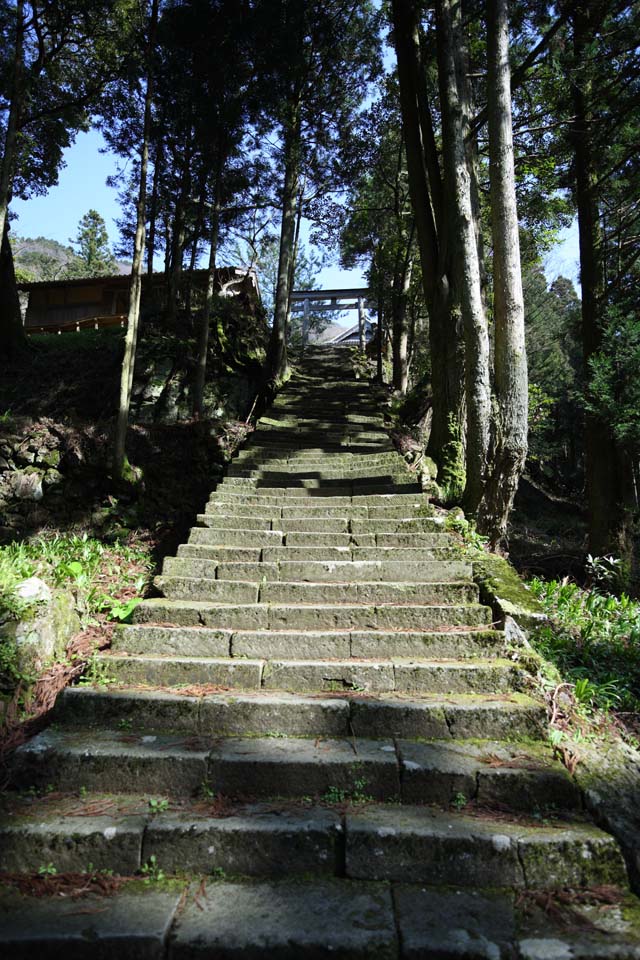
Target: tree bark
<point>153,211</point>
<point>277,361</point>
<point>13,339</point>
<point>12,335</point>
<point>15,108</point>
<point>135,288</point>
<point>203,333</point>
<point>509,428</point>
<point>400,327</point>
<point>605,496</point>
<point>425,187</point>
<point>455,105</point>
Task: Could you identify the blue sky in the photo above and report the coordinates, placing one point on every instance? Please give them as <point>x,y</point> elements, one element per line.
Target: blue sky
<point>82,186</point>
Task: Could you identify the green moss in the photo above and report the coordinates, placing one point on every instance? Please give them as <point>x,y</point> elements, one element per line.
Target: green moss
<point>502,588</point>
<point>451,475</point>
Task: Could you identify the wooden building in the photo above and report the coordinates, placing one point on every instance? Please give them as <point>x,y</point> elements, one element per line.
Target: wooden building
<point>91,302</point>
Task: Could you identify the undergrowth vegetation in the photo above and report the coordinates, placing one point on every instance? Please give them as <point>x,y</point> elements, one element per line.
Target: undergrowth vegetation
<point>103,577</point>
<point>593,637</point>
<point>105,581</point>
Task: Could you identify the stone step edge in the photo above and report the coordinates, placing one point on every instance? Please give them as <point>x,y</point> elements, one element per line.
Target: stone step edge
<point>199,709</point>
<point>144,834</point>
<point>304,918</point>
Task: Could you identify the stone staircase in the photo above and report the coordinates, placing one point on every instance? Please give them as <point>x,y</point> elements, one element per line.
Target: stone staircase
<point>319,717</point>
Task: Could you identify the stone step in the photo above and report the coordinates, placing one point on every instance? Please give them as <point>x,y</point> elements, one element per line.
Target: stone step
<point>360,554</point>
<point>306,919</point>
<point>236,538</point>
<point>326,525</point>
<point>299,473</point>
<point>251,457</point>
<point>332,769</point>
<point>274,512</point>
<point>339,488</point>
<point>253,840</point>
<point>270,644</point>
<point>414,844</point>
<point>285,525</point>
<point>220,553</point>
<point>285,592</point>
<point>315,498</point>
<point>346,571</point>
<point>314,676</point>
<point>331,480</point>
<point>264,616</point>
<point>514,717</point>
<point>276,839</point>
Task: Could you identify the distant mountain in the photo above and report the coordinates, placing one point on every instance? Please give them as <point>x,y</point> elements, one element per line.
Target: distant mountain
<point>42,259</point>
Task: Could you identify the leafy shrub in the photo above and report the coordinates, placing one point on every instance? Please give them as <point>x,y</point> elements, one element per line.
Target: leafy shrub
<point>594,640</point>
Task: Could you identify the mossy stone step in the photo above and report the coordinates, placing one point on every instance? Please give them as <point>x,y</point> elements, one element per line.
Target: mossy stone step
<point>391,675</point>
<point>513,717</point>
<point>306,592</point>
<point>307,644</point>
<point>271,616</point>
<point>331,768</point>
<point>414,844</point>
<point>345,571</point>
<point>304,919</point>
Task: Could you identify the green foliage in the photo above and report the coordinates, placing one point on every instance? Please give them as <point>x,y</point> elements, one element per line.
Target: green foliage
<point>552,318</point>
<point>452,473</point>
<point>80,563</point>
<point>614,389</point>
<point>94,256</point>
<point>157,805</point>
<point>152,872</point>
<point>355,794</point>
<point>473,541</point>
<point>594,640</point>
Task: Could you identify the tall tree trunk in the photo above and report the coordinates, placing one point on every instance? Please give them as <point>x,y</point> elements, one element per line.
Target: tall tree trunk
<point>177,247</point>
<point>400,331</point>
<point>277,361</point>
<point>135,288</point>
<point>425,186</point>
<point>153,209</point>
<point>605,498</point>
<point>509,428</point>
<point>456,118</point>
<point>12,336</point>
<point>203,333</point>
<point>380,311</point>
<point>197,234</point>
<point>15,108</point>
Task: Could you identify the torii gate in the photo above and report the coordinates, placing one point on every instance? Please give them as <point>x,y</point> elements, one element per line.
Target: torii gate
<point>319,301</point>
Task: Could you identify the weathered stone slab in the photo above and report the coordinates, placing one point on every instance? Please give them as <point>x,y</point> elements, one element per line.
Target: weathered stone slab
<point>254,841</point>
<point>71,843</point>
<point>121,763</point>
<point>270,713</point>
<point>458,924</point>
<point>293,644</point>
<point>150,710</point>
<point>175,671</point>
<point>134,923</point>
<point>217,591</point>
<point>290,921</point>
<point>336,676</point>
<point>295,768</point>
<point>167,641</point>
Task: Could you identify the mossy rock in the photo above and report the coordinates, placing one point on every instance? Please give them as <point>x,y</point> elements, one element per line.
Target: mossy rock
<point>503,590</point>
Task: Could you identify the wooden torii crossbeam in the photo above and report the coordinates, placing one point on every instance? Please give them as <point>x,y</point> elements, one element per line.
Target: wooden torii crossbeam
<point>319,301</point>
